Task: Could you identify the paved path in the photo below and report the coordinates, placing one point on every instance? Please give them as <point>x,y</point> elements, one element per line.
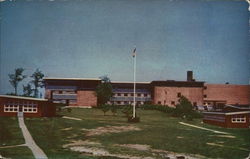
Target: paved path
<point>37,152</point>
<point>67,117</point>
<point>198,127</point>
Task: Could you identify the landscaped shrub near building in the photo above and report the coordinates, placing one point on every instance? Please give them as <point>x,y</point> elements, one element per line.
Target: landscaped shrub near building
<point>113,109</point>
<point>185,109</point>
<point>105,108</point>
<point>127,110</point>
<point>162,108</point>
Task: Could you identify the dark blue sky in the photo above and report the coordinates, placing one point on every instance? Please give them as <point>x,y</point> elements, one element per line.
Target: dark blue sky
<point>91,38</point>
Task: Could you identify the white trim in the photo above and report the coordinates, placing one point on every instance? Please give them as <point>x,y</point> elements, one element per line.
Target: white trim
<point>58,78</point>
<point>25,98</point>
<point>229,113</point>
<point>130,82</point>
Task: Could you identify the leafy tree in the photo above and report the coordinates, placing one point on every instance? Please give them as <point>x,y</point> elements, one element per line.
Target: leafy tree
<point>27,90</point>
<point>37,81</point>
<point>16,77</point>
<point>184,109</point>
<point>104,90</point>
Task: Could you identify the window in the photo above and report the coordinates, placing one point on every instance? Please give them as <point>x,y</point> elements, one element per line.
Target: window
<point>238,120</point>
<point>145,95</point>
<point>173,102</point>
<point>125,94</point>
<point>205,96</point>
<point>179,94</point>
<point>11,108</point>
<point>60,92</point>
<point>159,102</point>
<point>118,94</point>
<point>31,107</point>
<point>118,102</point>
<point>138,95</point>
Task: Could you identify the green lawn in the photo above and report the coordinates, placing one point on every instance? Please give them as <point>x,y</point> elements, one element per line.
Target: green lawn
<point>158,130</point>
<point>10,135</point>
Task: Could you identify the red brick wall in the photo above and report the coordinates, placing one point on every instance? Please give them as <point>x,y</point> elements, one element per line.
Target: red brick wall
<point>86,98</point>
<point>231,93</point>
<point>168,94</point>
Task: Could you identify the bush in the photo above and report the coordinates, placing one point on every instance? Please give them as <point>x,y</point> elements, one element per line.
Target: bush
<point>185,110</point>
<point>127,110</point>
<point>105,108</point>
<point>113,109</point>
<point>162,108</point>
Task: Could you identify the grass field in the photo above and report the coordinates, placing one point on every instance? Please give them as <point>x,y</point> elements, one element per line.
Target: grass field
<point>11,135</point>
<point>152,137</point>
<point>157,129</point>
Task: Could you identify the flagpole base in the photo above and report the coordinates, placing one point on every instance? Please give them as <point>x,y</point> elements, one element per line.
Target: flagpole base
<point>132,119</point>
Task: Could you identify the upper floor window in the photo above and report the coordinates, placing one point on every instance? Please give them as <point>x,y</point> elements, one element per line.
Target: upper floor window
<point>178,94</point>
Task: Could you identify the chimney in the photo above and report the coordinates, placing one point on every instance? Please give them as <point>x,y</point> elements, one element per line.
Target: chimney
<point>190,76</point>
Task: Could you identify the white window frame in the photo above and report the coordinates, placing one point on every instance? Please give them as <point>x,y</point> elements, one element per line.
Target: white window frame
<point>11,108</point>
<point>31,107</point>
<point>238,120</point>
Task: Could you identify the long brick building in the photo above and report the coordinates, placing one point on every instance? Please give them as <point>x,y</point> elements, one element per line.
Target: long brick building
<point>81,92</point>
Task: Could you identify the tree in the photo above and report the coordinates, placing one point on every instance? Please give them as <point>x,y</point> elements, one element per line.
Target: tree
<point>104,90</point>
<point>184,109</point>
<point>37,81</point>
<point>16,77</point>
<point>27,90</point>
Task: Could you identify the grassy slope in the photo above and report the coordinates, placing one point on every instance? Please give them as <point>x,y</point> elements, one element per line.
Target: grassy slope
<point>158,130</point>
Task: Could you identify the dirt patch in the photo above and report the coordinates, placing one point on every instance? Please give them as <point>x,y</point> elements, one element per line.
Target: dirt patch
<point>136,146</point>
<point>102,152</point>
<point>110,129</point>
<point>66,129</point>
<point>179,137</point>
<point>214,144</point>
<point>162,153</point>
<point>81,142</point>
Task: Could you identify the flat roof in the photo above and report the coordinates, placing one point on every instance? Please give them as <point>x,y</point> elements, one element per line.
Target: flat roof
<point>58,78</point>
<point>130,82</point>
<point>229,113</point>
<point>20,97</point>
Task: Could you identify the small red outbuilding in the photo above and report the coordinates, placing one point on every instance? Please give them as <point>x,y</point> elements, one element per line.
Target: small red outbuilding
<point>30,107</point>
<point>240,119</point>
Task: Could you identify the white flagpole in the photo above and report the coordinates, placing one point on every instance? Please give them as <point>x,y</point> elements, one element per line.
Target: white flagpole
<point>134,84</point>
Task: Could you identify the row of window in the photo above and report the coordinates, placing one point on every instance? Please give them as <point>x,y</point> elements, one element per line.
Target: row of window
<point>64,92</point>
<point>238,120</point>
<point>173,103</point>
<point>131,95</point>
<point>15,108</point>
<point>125,102</point>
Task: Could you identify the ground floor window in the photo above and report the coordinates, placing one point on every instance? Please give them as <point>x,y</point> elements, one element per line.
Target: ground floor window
<point>25,106</point>
<point>10,108</point>
<point>238,119</point>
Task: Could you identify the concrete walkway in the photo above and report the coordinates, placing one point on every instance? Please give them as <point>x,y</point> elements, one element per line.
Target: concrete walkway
<point>37,152</point>
<point>198,127</point>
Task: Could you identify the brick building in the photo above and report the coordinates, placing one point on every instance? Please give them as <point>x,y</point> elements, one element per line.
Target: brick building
<point>229,117</point>
<point>220,94</point>
<point>72,91</point>
<point>81,92</point>
<point>30,107</point>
